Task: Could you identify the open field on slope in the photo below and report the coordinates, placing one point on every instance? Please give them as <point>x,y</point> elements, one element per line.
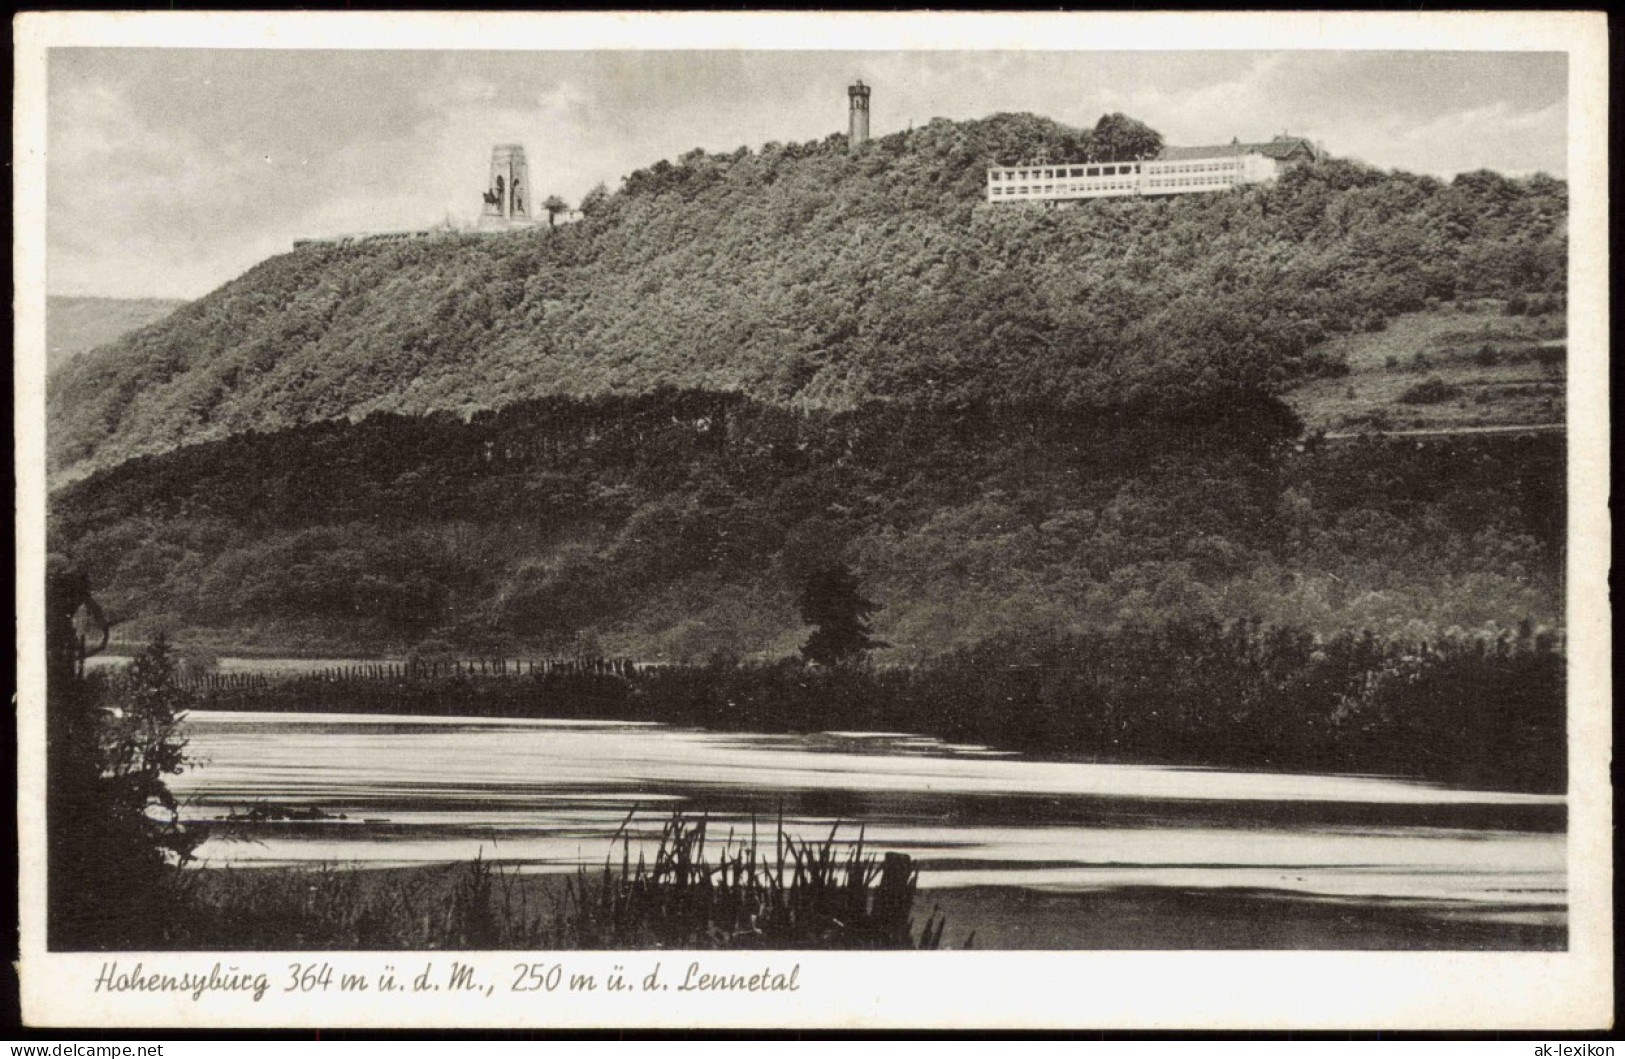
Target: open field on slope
<point>1468,365</point>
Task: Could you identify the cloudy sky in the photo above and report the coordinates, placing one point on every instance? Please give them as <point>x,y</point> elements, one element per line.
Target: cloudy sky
<point>172,170</point>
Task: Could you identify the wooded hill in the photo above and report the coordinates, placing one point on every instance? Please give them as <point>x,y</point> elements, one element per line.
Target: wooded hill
<point>812,277</point>
<point>678,525</point>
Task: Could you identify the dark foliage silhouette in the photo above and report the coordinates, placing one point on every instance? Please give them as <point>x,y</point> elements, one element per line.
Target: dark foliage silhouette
<point>831,602</point>
<point>115,838</point>
<point>644,517</point>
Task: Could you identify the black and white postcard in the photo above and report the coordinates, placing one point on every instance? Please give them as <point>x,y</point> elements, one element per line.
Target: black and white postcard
<point>902,520</point>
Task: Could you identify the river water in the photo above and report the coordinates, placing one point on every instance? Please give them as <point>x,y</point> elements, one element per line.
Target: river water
<point>551,795</point>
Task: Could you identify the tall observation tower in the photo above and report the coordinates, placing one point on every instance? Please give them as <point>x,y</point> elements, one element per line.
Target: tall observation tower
<point>857,129</point>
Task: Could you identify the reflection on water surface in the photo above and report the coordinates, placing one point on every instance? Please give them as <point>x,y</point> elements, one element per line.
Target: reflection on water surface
<point>548,796</point>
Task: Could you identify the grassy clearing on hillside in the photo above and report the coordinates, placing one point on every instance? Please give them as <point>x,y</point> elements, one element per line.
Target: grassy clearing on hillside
<point>1492,369</point>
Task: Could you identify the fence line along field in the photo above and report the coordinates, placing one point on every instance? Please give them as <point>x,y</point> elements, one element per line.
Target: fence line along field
<point>394,672</point>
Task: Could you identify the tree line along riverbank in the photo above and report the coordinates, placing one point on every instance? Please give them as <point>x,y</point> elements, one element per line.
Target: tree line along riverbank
<point>1483,710</point>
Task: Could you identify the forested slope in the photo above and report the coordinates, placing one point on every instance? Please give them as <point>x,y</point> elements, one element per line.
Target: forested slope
<point>809,276</point>
<point>675,525</point>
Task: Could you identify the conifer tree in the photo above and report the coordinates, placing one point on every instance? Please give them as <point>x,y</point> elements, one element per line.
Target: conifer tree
<point>831,601</point>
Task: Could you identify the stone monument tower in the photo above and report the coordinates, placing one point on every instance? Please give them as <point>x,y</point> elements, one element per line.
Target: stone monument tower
<point>508,195</point>
<point>857,130</point>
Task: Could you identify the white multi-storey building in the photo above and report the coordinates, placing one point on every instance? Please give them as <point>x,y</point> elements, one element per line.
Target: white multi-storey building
<point>1176,171</point>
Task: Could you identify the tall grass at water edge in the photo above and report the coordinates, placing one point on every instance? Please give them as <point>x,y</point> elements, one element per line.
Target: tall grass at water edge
<point>796,894</point>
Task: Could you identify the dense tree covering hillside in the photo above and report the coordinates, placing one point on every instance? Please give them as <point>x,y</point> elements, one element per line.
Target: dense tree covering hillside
<point>809,276</point>
<point>676,525</point>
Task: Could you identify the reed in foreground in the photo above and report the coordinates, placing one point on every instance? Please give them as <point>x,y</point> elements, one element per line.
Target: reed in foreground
<point>739,894</point>
<point>806,895</point>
